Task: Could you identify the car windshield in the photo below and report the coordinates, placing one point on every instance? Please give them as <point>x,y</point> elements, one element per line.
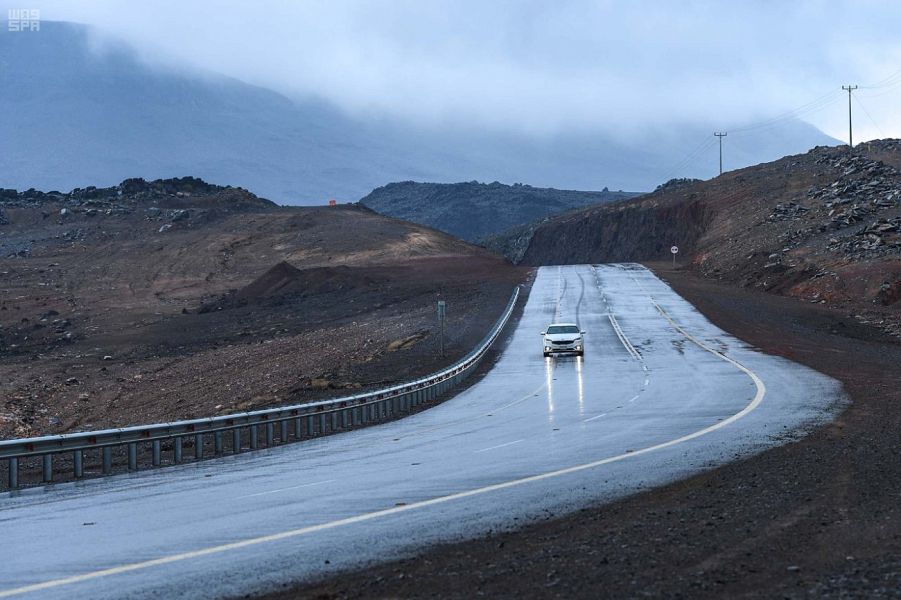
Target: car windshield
<point>562,329</point>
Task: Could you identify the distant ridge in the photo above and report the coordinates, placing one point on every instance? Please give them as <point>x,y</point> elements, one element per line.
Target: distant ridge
<point>472,210</point>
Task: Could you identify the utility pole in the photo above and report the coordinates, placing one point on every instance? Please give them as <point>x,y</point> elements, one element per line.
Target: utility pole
<point>721,135</point>
<point>849,88</point>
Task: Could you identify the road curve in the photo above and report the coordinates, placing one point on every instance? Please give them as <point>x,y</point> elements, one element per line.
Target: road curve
<point>660,394</point>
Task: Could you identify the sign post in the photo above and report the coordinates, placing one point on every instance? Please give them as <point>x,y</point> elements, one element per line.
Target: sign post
<point>675,251</point>
<point>442,311</point>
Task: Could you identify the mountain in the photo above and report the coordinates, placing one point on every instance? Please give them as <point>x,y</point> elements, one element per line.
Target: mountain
<point>80,113</point>
<point>473,210</point>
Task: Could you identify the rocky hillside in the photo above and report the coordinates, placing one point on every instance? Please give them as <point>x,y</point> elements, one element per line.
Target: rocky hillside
<point>473,211</point>
<point>151,301</point>
<point>824,226</point>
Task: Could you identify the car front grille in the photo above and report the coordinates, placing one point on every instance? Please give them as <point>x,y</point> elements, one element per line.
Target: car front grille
<point>563,342</point>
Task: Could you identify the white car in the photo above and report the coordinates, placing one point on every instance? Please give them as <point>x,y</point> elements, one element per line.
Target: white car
<point>563,337</point>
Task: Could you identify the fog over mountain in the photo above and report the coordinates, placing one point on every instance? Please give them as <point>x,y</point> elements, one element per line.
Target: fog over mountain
<point>78,113</point>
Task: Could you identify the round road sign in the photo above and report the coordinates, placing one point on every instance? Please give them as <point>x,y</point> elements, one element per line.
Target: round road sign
<point>674,249</point>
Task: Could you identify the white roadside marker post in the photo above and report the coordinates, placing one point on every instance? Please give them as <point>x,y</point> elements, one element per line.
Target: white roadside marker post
<point>675,251</point>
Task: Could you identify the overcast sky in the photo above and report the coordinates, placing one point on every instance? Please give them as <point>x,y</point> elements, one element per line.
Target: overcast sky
<point>615,67</point>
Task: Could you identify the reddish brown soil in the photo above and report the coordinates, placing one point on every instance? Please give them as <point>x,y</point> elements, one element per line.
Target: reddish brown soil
<point>820,517</point>
<point>107,321</point>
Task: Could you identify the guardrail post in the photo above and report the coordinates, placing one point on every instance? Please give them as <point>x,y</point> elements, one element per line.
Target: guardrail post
<point>310,420</point>
<point>334,420</point>
<point>132,456</point>
<point>345,420</point>
<point>297,428</point>
<point>322,424</point>
<point>107,453</point>
<point>269,433</point>
<point>198,446</point>
<point>78,463</point>
<point>217,442</point>
<point>157,458</point>
<point>236,440</point>
<point>177,450</point>
<point>47,468</point>
<point>13,473</point>
<point>253,437</point>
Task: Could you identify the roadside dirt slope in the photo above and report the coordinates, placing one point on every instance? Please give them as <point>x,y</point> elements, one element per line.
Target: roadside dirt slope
<point>824,226</point>
<point>157,301</point>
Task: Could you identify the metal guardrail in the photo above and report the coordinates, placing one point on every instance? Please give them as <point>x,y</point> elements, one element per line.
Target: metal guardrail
<point>306,420</point>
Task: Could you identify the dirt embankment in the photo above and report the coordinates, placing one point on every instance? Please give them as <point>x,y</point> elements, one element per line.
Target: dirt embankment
<point>620,232</point>
<point>816,518</point>
<point>824,227</point>
<point>119,309</point>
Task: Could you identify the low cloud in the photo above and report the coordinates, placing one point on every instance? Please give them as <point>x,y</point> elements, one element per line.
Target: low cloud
<point>538,67</point>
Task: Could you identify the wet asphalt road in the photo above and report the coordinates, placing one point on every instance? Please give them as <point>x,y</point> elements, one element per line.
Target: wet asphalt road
<point>660,394</point>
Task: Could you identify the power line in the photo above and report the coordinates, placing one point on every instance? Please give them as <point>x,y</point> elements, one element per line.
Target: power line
<point>812,106</point>
<point>807,108</point>
<point>703,147</point>
<point>890,81</point>
<point>869,116</point>
<point>884,92</point>
<point>815,105</point>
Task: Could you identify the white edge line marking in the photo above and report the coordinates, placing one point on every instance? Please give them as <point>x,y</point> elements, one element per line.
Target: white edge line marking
<point>523,399</point>
<point>498,446</point>
<point>755,402</point>
<point>595,417</point>
<point>285,489</point>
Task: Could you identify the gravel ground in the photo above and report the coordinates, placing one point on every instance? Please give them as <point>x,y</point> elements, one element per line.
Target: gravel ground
<point>816,518</point>
<point>249,310</point>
